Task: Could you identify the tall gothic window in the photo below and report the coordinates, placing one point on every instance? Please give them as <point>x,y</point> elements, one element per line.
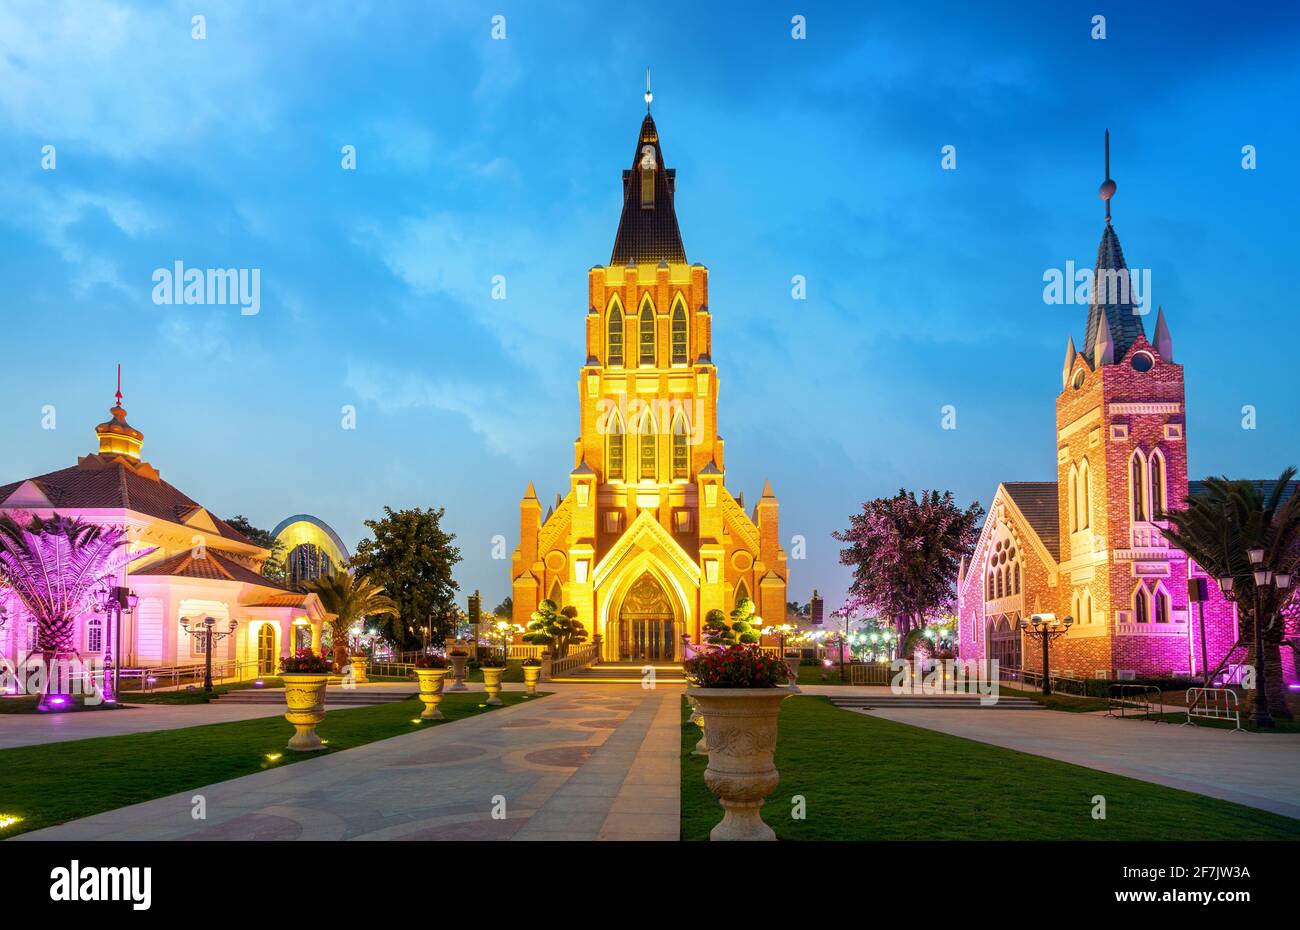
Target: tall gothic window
<point>1156,469</point>
<point>742,592</point>
<point>679,334</point>
<point>1085,497</point>
<point>1141,605</point>
<point>614,449</point>
<point>681,447</point>
<point>614,351</point>
<point>646,446</point>
<point>1138,487</point>
<point>557,594</point>
<point>1017,578</point>
<point>1161,601</point>
<point>646,354</point>
<point>1072,497</point>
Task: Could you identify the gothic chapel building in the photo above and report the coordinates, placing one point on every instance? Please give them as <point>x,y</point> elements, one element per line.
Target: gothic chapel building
<point>648,539</point>
<point>1090,544</point>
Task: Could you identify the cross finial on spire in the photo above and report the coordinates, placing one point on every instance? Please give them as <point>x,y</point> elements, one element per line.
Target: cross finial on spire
<point>119,384</point>
<point>1107,189</point>
<point>648,96</point>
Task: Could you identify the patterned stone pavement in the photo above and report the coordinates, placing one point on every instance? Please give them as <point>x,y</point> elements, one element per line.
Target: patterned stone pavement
<point>587,762</point>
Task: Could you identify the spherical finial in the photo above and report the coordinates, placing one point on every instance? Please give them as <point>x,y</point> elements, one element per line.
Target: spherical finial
<point>1107,189</point>
<point>648,98</point>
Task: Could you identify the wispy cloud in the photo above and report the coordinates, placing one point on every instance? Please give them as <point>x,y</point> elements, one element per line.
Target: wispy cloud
<point>510,423</point>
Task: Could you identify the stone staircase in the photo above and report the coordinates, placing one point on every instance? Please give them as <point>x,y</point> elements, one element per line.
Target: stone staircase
<point>625,673</point>
<point>890,701</point>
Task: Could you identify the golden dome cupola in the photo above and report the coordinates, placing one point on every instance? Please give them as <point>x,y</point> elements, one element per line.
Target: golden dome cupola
<point>116,436</point>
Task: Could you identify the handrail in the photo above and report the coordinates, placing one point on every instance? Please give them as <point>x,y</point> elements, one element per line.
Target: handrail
<point>1123,696</point>
<point>158,678</point>
<point>391,669</point>
<point>1224,707</point>
<point>580,658</point>
<point>870,673</point>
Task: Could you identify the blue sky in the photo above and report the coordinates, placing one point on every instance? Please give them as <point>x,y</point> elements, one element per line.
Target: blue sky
<point>478,158</point>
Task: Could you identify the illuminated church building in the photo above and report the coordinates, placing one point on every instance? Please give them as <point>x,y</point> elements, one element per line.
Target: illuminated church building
<point>201,566</point>
<point>648,539</point>
<point>1090,544</point>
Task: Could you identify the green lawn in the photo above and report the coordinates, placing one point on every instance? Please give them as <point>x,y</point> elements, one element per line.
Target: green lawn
<point>26,704</point>
<point>864,778</point>
<point>57,782</point>
<point>812,675</point>
<point>1070,703</point>
<point>1177,718</point>
<point>198,695</point>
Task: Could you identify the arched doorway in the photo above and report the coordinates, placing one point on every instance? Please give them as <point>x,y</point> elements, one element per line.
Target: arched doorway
<point>646,628</point>
<point>266,655</point>
<point>1004,641</point>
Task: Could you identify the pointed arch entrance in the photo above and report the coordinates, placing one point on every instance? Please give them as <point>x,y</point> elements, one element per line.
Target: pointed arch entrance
<point>646,628</point>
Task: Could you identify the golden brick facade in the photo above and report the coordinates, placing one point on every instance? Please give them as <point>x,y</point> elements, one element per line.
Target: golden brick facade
<point>647,505</point>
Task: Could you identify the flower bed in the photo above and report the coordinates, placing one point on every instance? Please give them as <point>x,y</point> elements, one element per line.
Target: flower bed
<point>736,667</point>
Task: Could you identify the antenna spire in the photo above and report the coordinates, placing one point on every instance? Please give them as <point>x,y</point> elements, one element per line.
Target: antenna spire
<point>119,384</point>
<point>648,96</point>
<point>1107,189</point>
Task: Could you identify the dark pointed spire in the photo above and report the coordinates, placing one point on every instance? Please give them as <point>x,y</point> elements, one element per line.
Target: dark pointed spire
<point>1112,292</point>
<point>1164,342</point>
<point>647,230</point>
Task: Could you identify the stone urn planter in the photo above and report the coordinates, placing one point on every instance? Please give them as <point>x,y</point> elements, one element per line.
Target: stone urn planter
<point>697,718</point>
<point>359,664</point>
<point>431,681</point>
<point>492,684</point>
<point>305,695</point>
<point>740,729</point>
<point>458,662</point>
<point>532,674</point>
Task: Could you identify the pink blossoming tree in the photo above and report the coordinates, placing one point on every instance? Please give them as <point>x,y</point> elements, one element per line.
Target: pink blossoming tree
<point>905,553</point>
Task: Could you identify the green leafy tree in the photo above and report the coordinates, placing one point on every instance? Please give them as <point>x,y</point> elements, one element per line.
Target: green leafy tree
<point>555,627</point>
<point>411,557</point>
<point>1217,529</point>
<point>739,629</point>
<point>349,600</point>
<point>274,567</point>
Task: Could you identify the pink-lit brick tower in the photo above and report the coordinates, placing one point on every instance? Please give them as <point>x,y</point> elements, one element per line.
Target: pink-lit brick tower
<point>1091,544</point>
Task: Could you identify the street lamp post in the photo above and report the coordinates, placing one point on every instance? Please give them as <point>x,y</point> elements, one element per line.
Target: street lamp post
<point>1045,628</point>
<point>113,601</point>
<point>205,632</point>
<point>1261,716</point>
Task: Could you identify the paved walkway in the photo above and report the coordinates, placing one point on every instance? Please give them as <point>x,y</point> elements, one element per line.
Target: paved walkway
<point>587,762</point>
<point>33,729</point>
<point>1258,770</point>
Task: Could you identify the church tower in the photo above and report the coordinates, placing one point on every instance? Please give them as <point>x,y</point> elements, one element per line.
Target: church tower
<point>1121,464</point>
<point>648,539</point>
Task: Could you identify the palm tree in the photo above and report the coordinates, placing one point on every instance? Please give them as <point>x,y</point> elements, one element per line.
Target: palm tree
<point>54,565</point>
<point>1216,529</point>
<point>349,600</point>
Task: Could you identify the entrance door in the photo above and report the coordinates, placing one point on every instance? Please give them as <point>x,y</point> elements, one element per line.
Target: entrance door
<point>647,639</point>
<point>646,629</point>
<point>266,650</point>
